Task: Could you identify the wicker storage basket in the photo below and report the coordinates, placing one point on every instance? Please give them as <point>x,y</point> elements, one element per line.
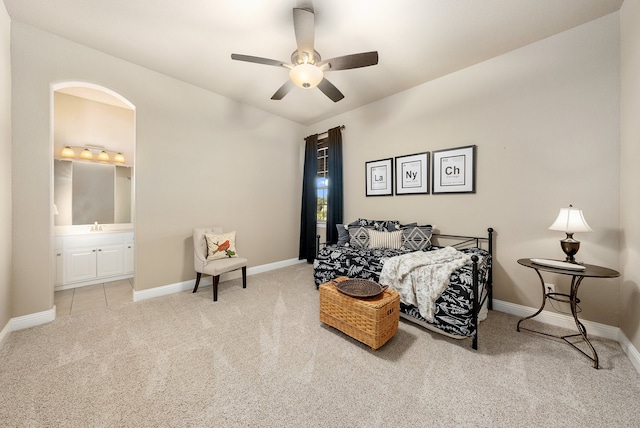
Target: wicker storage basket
<point>371,321</point>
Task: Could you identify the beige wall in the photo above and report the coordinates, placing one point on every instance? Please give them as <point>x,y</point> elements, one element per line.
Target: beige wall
<point>5,168</point>
<point>201,159</point>
<point>80,121</point>
<point>545,119</point>
<point>629,171</point>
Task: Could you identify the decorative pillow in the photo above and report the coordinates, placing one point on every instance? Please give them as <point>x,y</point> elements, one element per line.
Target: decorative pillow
<point>381,225</point>
<point>379,239</point>
<point>359,236</point>
<point>221,246</point>
<point>343,234</point>
<point>404,226</point>
<point>417,238</point>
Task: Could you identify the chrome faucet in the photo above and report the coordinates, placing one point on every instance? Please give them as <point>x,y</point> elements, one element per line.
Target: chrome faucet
<point>96,227</point>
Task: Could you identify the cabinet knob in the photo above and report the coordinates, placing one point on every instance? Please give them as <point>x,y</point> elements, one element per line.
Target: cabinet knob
<point>99,249</point>
<point>93,251</point>
<point>58,254</point>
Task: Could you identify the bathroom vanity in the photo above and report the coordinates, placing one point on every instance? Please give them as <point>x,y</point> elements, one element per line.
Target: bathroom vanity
<point>93,233</point>
<point>86,258</point>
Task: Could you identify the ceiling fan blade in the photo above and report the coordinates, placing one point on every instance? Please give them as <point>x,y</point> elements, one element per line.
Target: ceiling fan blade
<point>304,27</point>
<point>329,90</point>
<point>284,90</point>
<point>347,62</point>
<point>258,60</point>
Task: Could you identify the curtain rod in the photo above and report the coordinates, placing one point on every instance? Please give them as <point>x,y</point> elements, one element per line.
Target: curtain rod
<point>327,132</point>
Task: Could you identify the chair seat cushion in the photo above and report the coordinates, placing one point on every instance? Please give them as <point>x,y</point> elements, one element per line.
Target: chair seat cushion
<point>220,266</point>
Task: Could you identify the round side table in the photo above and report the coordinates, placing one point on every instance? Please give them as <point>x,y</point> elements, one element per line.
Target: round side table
<point>589,271</point>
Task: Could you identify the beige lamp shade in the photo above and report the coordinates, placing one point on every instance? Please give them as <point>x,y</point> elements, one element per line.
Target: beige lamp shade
<point>86,154</point>
<point>570,220</point>
<point>68,152</point>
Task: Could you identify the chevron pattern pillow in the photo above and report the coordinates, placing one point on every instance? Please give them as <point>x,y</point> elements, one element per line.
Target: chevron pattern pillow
<point>358,237</point>
<point>417,238</point>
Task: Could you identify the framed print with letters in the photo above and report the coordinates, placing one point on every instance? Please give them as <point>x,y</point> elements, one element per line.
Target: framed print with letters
<point>454,170</point>
<point>379,177</point>
<point>412,174</point>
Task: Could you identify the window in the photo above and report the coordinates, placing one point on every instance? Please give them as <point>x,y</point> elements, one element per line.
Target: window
<point>322,180</point>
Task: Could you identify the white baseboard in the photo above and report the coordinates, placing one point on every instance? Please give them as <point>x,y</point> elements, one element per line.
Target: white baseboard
<point>206,282</point>
<point>630,350</point>
<point>566,321</point>
<point>557,320</point>
<point>28,321</point>
<point>5,332</point>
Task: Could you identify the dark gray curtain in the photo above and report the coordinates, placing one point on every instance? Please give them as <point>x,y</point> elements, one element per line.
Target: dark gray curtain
<point>335,200</point>
<point>309,201</point>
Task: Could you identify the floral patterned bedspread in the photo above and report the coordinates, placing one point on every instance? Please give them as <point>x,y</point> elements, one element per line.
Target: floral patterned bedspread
<point>453,312</point>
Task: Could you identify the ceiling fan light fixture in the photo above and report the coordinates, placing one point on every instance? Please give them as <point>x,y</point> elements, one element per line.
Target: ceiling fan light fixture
<point>306,75</point>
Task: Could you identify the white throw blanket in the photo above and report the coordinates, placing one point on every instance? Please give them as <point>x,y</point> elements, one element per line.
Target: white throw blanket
<point>420,277</point>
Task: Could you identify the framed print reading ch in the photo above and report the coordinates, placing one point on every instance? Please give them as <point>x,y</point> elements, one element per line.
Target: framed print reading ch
<point>412,174</point>
<point>379,179</point>
<point>454,170</point>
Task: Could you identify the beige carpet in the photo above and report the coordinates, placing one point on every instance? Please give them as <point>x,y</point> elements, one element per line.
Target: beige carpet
<point>260,357</point>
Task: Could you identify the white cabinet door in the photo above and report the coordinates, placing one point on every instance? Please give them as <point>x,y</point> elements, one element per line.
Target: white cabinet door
<point>80,264</point>
<point>110,260</point>
<point>128,258</point>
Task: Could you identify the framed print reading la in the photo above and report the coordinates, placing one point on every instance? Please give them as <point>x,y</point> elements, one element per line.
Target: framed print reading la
<point>379,177</point>
<point>412,174</point>
<point>454,170</point>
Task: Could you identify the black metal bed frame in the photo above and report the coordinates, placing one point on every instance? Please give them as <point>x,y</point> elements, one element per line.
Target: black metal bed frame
<point>462,241</point>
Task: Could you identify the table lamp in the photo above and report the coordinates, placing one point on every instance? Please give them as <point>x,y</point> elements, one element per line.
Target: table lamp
<point>570,220</point>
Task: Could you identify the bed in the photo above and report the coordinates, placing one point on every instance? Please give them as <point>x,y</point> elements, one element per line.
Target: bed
<point>460,306</point>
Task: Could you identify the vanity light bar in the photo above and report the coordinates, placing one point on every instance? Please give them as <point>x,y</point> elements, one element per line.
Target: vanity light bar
<point>103,156</point>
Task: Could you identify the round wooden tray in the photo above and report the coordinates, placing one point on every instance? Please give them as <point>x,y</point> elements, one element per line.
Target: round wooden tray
<point>360,288</point>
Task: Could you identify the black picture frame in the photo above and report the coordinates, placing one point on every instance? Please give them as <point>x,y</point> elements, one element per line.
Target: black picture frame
<point>454,170</point>
<point>379,177</point>
<point>412,174</point>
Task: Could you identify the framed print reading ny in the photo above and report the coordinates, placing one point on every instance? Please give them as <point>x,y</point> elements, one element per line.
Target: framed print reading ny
<point>412,174</point>
<point>454,170</point>
<point>379,179</point>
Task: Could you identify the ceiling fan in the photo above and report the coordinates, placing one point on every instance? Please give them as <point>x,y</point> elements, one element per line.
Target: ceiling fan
<point>307,67</point>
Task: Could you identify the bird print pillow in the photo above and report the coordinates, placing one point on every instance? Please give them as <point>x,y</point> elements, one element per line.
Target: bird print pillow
<point>221,246</point>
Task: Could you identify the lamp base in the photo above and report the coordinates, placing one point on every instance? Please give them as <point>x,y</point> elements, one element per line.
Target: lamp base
<point>570,247</point>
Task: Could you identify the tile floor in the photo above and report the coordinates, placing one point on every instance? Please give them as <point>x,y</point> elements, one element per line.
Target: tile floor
<point>92,297</point>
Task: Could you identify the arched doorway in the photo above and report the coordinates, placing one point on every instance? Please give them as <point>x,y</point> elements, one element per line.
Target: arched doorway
<point>93,194</point>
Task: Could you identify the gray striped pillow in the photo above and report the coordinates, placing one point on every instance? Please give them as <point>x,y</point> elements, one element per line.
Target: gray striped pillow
<point>385,239</point>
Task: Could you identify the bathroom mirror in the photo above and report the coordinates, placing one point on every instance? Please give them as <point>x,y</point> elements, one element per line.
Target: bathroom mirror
<point>85,193</point>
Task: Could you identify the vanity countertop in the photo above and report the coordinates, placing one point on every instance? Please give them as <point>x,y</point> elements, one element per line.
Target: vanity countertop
<point>87,230</point>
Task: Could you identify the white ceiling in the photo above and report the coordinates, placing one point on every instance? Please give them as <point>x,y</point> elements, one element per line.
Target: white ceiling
<point>417,40</point>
